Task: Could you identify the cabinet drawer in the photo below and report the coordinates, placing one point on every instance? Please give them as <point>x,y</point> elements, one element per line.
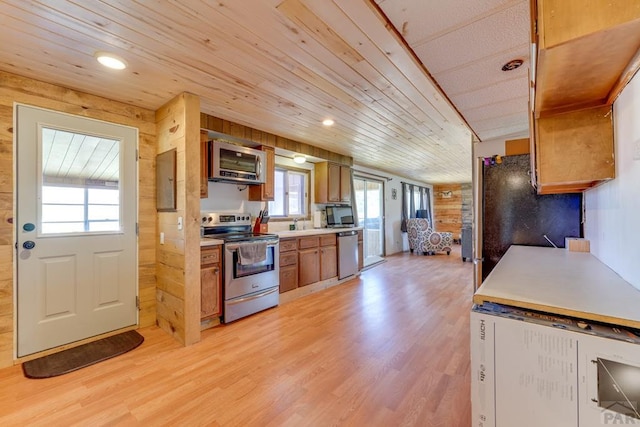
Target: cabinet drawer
<point>210,255</point>
<point>308,242</point>
<point>288,258</point>
<point>288,245</point>
<point>328,240</point>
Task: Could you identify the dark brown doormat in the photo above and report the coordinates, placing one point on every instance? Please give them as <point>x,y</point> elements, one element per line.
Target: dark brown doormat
<point>84,355</point>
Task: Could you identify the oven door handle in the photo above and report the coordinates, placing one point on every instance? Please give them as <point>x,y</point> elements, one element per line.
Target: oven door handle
<point>252,297</point>
<point>233,246</point>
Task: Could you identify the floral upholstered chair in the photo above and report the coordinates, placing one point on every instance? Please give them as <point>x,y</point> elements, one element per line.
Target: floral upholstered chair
<point>423,240</point>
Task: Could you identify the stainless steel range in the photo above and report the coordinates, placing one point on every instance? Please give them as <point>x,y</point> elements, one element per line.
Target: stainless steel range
<point>251,263</point>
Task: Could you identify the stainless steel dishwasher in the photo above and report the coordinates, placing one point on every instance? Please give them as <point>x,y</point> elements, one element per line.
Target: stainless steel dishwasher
<point>347,253</point>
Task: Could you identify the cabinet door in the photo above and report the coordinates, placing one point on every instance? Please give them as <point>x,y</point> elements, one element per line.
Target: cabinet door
<point>334,186</point>
<point>204,173</point>
<point>574,150</point>
<point>328,262</point>
<point>308,266</point>
<point>266,192</point>
<point>210,291</point>
<point>345,184</point>
<point>288,278</point>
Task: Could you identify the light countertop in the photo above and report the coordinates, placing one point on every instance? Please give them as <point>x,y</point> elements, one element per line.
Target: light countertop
<point>287,234</point>
<point>210,242</point>
<point>312,232</point>
<point>562,282</point>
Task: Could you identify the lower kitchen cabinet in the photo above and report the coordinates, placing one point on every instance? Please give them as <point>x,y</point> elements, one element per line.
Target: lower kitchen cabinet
<point>210,282</point>
<point>328,257</point>
<point>308,267</point>
<point>308,260</point>
<point>288,264</point>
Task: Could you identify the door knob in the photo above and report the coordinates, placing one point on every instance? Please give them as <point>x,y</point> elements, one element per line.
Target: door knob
<point>28,227</point>
<point>29,244</point>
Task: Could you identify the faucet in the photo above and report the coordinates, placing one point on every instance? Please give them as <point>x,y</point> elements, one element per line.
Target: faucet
<point>295,223</point>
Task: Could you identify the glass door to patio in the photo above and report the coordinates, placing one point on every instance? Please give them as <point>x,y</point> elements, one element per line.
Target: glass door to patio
<point>370,206</point>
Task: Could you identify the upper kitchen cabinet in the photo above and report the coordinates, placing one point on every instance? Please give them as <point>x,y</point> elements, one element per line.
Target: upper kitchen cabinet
<point>204,171</point>
<point>587,52</point>
<point>574,150</point>
<point>265,192</point>
<point>332,183</point>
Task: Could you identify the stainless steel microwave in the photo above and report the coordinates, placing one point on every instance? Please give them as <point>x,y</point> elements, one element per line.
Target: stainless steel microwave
<point>236,164</point>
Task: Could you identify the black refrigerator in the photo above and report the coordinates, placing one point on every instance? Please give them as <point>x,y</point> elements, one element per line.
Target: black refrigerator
<point>513,214</point>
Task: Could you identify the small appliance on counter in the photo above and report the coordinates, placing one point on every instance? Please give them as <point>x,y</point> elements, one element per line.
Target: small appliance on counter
<point>317,219</point>
<point>340,217</point>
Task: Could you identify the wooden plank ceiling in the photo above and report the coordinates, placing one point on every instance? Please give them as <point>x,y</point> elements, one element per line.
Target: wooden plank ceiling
<point>278,66</point>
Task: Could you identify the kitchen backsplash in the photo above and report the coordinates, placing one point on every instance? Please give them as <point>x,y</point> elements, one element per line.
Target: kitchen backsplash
<point>225,197</point>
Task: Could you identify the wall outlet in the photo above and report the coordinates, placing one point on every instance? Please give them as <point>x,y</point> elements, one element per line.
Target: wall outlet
<point>162,238</point>
<point>636,150</point>
<point>179,223</point>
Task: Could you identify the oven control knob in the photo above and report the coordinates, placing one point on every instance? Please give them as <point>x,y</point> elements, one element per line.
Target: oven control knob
<point>209,219</point>
<point>204,219</point>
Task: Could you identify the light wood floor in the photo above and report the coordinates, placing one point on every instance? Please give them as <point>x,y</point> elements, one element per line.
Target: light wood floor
<point>388,349</point>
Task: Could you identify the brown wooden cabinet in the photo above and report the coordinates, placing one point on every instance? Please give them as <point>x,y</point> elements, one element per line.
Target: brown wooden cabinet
<point>210,282</point>
<point>574,150</point>
<point>288,264</point>
<point>586,52</point>
<point>265,192</point>
<point>328,257</point>
<point>332,183</point>
<point>308,260</point>
<point>204,171</point>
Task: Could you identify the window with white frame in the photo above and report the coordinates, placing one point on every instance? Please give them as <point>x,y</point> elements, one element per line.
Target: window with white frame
<point>291,193</point>
<point>71,209</point>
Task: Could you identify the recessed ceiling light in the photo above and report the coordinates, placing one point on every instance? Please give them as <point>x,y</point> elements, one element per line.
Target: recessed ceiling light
<point>110,60</point>
<point>299,158</point>
<point>512,65</point>
<point>328,122</point>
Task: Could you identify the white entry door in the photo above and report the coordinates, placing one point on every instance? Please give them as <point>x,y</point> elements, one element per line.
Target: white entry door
<point>75,226</point>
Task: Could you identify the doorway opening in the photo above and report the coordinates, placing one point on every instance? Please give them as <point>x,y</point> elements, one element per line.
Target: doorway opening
<point>370,206</point>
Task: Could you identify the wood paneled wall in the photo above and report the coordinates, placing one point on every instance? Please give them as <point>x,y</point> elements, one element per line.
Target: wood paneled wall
<point>467,205</point>
<point>178,275</point>
<point>447,206</point>
<point>265,138</point>
<point>14,88</point>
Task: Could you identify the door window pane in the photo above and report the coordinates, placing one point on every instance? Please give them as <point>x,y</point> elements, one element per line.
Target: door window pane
<point>369,203</point>
<point>62,213</point>
<point>80,182</point>
<point>62,195</point>
<point>104,196</point>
